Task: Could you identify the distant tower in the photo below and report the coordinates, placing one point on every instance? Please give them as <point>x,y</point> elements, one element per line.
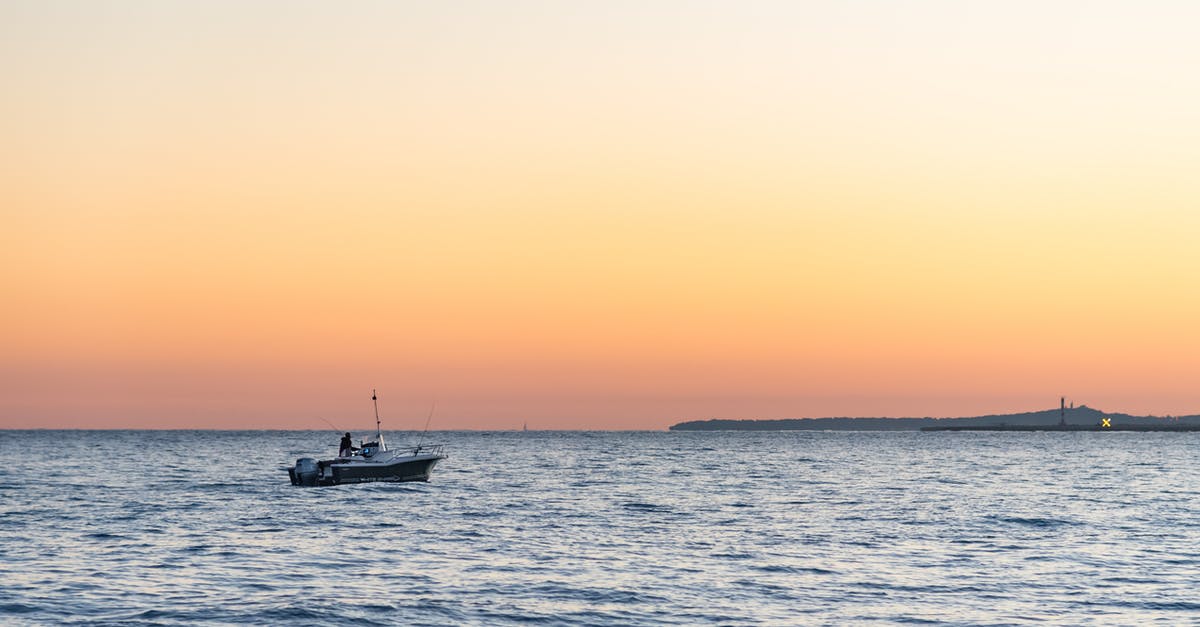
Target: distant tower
<point>1062,411</point>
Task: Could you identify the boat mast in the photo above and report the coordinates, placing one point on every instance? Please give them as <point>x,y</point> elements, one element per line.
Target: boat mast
<point>378,431</point>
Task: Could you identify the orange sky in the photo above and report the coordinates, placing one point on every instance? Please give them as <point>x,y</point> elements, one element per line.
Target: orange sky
<point>594,215</point>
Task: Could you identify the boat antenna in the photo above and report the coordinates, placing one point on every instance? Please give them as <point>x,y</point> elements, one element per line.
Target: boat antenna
<point>427,419</point>
<point>378,432</point>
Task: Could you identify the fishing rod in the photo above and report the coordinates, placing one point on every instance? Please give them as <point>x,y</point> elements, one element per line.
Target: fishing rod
<point>335,427</point>
<point>427,419</point>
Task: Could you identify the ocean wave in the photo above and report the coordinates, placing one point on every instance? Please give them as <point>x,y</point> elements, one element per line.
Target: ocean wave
<point>551,529</point>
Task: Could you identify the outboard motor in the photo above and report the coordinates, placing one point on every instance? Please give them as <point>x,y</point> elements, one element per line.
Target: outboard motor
<point>305,472</point>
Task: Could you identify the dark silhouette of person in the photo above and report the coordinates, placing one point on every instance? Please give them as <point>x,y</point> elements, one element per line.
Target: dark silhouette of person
<point>346,449</point>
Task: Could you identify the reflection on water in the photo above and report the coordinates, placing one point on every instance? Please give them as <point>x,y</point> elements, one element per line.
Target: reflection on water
<point>604,528</point>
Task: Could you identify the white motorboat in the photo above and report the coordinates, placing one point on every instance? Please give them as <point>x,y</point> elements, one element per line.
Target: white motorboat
<point>372,461</point>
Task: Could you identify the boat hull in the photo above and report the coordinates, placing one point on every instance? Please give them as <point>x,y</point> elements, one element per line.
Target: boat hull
<point>336,472</point>
<point>411,470</point>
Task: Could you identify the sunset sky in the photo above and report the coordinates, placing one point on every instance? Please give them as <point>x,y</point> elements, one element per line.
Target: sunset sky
<point>604,215</point>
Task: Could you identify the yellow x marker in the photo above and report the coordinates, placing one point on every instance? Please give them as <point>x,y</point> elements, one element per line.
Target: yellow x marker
<point>1104,422</point>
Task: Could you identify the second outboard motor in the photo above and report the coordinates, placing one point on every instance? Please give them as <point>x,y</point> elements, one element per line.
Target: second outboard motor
<point>306,472</point>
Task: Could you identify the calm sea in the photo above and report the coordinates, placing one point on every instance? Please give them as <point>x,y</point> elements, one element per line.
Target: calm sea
<point>604,528</point>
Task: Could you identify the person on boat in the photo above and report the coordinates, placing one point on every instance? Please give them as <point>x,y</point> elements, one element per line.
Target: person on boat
<point>346,448</point>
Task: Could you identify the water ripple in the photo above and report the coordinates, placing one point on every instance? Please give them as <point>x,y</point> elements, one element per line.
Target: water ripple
<point>592,528</point>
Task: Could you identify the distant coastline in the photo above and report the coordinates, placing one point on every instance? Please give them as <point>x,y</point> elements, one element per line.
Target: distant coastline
<point>1078,416</point>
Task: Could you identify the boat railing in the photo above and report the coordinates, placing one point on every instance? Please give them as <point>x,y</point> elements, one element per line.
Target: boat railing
<point>425,449</point>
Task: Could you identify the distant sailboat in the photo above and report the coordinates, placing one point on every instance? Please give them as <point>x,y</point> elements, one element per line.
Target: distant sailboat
<point>525,426</point>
